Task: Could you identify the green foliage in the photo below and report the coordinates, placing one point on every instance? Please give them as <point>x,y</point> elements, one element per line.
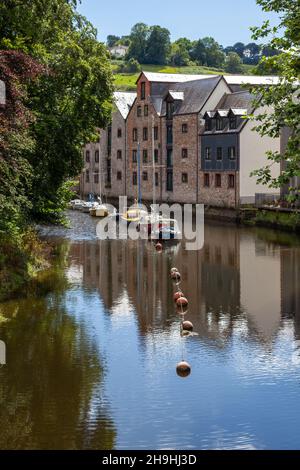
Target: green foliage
<point>130,66</point>
<point>233,63</point>
<point>70,101</point>
<point>149,45</point>
<point>284,98</point>
<point>112,40</point>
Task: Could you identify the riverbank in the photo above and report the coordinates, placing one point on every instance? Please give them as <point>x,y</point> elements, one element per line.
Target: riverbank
<point>21,258</point>
<point>275,218</point>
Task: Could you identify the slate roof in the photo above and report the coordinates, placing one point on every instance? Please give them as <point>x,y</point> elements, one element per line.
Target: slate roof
<point>195,93</point>
<point>239,104</point>
<point>240,100</point>
<point>124,102</point>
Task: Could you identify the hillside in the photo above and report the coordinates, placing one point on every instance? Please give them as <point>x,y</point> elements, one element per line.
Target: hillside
<point>126,81</point>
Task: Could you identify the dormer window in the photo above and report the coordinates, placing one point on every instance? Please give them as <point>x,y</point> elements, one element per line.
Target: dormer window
<point>170,109</point>
<point>232,122</point>
<point>219,124</point>
<point>208,124</point>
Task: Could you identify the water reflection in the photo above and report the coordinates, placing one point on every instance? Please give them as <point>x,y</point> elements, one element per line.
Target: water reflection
<point>97,366</point>
<point>237,280</point>
<point>53,372</point>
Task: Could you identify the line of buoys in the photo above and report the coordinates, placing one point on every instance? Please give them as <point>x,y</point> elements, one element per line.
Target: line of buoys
<point>183,368</point>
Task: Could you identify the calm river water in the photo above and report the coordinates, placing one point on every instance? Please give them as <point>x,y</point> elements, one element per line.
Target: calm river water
<point>92,350</point>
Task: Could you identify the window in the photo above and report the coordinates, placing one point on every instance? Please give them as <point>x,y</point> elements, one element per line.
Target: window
<point>134,178</point>
<point>97,156</point>
<point>146,110</point>
<point>184,178</point>
<point>218,180</point>
<point>231,153</point>
<point>170,109</point>
<point>96,178</point>
<point>207,153</point>
<point>184,153</point>
<point>169,157</point>
<point>119,154</point>
<point>156,179</point>
<point>119,175</point>
<point>184,128</point>
<point>87,176</point>
<point>219,153</point>
<point>206,180</point>
<point>232,122</point>
<point>156,155</point>
<point>139,111</point>
<point>143,90</point>
<point>119,132</point>
<point>169,135</point>
<point>134,156</point>
<point>145,156</point>
<point>208,124</point>
<point>219,124</point>
<point>155,133</point>
<point>169,180</point>
<point>135,134</point>
<point>145,176</point>
<point>231,181</point>
<point>87,156</point>
<point>145,133</point>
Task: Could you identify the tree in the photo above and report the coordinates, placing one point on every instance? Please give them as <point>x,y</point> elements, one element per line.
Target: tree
<point>17,70</point>
<point>158,45</point>
<point>179,54</point>
<point>112,40</point>
<point>239,48</point>
<point>198,52</point>
<point>69,102</point>
<point>233,63</point>
<point>283,98</point>
<point>138,42</point>
<point>215,57</point>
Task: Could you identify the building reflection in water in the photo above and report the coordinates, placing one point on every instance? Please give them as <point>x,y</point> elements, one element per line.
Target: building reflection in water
<point>239,281</point>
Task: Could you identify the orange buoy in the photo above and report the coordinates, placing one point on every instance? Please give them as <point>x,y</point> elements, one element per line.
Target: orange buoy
<point>187,326</point>
<point>158,247</point>
<point>182,302</point>
<point>183,369</point>
<point>177,296</point>
<point>176,276</point>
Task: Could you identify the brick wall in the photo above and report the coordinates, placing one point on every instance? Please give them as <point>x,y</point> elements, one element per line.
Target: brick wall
<point>140,122</point>
<point>222,196</point>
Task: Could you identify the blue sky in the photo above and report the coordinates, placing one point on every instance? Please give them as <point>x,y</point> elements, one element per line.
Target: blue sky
<point>228,21</point>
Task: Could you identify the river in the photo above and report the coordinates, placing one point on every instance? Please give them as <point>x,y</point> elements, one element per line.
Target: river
<point>92,351</point>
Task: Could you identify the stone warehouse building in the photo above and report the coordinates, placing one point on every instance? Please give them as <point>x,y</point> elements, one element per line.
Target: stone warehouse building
<point>191,137</point>
<point>105,161</point>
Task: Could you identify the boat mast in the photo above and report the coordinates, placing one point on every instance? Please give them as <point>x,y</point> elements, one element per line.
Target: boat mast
<point>139,175</point>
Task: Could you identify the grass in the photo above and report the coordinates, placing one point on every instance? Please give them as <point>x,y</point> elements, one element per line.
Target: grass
<point>127,81</point>
<point>287,221</point>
